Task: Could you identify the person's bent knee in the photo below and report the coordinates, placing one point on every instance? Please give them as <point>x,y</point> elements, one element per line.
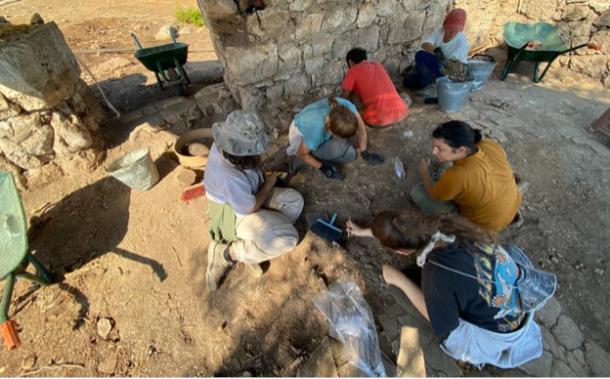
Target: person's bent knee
<point>288,201</point>
<point>281,244</point>
<point>350,154</point>
<point>294,203</point>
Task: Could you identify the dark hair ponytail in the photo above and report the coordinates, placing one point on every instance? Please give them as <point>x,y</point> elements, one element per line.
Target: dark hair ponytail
<point>457,134</point>
<point>411,229</point>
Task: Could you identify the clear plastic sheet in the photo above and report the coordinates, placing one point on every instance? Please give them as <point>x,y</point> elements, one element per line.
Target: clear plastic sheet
<point>352,323</point>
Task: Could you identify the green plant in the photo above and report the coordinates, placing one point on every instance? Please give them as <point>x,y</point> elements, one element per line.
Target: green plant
<point>189,15</point>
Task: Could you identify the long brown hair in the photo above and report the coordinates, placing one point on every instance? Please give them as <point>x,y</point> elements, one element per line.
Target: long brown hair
<point>411,229</point>
<point>342,121</point>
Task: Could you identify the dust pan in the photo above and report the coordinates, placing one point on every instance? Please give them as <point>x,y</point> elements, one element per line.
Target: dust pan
<point>327,229</point>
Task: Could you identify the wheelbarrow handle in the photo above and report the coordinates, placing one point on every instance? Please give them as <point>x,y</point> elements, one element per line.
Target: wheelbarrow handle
<point>133,35</point>
<point>172,33</point>
<point>589,45</point>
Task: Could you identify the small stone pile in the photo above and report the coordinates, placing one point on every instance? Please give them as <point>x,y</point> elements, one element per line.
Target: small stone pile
<point>47,113</point>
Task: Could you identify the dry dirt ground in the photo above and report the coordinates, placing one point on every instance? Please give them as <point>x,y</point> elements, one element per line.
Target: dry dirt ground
<point>136,259</point>
<point>91,26</point>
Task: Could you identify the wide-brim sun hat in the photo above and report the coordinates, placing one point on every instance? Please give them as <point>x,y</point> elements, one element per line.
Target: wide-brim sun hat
<point>241,134</point>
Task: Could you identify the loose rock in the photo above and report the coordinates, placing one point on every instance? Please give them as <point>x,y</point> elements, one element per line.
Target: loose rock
<point>36,19</point>
<point>108,364</point>
<point>29,362</point>
<point>165,33</point>
<point>104,327</point>
<point>186,177</point>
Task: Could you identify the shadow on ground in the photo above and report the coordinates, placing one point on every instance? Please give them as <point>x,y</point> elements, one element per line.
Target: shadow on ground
<point>91,221</point>
<point>135,91</point>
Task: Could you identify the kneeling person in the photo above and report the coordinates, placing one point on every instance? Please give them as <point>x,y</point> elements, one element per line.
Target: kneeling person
<point>250,220</point>
<point>369,81</point>
<point>318,136</point>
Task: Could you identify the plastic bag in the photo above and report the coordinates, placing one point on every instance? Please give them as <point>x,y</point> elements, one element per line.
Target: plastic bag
<point>352,323</point>
<point>399,168</point>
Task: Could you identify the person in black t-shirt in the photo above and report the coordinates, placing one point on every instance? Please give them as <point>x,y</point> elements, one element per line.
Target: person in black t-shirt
<point>469,288</point>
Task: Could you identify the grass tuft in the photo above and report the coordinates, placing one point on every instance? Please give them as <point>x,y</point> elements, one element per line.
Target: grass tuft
<point>189,15</point>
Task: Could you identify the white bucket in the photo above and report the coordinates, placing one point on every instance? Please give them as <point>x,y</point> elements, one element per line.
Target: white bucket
<point>135,169</point>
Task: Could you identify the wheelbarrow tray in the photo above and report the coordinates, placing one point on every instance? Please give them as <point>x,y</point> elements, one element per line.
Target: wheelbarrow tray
<point>13,227</point>
<point>550,44</point>
<point>162,57</point>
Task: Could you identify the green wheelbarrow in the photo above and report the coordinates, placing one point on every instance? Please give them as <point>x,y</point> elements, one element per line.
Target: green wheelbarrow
<point>166,61</point>
<point>14,254</point>
<point>539,42</point>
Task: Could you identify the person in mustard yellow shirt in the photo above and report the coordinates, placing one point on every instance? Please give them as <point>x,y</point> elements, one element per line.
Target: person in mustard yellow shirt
<point>480,183</point>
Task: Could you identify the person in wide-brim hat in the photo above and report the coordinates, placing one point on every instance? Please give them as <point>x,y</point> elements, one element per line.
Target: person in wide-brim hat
<point>251,221</point>
<point>479,296</point>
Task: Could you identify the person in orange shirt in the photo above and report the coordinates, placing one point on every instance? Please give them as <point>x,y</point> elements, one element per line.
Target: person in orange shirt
<point>480,182</point>
<point>369,81</point>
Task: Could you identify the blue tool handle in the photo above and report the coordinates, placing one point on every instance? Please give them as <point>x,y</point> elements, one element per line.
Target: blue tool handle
<point>333,218</point>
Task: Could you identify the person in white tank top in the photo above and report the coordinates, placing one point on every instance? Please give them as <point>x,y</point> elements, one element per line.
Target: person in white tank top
<point>448,40</point>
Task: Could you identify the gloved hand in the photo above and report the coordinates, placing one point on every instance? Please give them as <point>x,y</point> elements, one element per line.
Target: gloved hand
<point>330,171</point>
<point>371,158</point>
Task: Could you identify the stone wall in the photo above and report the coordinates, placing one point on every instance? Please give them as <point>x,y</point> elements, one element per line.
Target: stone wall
<point>47,113</point>
<point>579,21</point>
<point>297,52</point>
